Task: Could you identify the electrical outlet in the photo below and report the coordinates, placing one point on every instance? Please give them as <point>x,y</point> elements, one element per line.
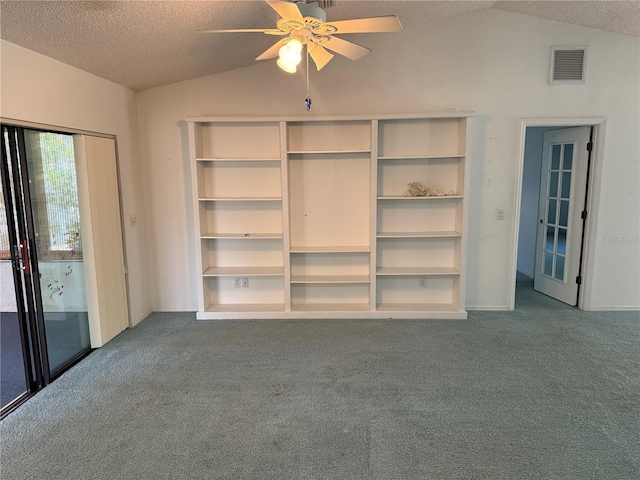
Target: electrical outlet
<point>245,282</point>
<point>237,283</point>
<point>422,283</point>
<point>500,214</point>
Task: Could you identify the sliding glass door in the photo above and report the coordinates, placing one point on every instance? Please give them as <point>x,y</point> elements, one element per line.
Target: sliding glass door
<point>15,364</point>
<point>58,243</point>
<point>43,255</point>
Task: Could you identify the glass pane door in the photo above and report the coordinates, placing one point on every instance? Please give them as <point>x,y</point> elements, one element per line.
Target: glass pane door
<point>44,327</point>
<point>13,371</point>
<point>557,211</point>
<point>58,242</point>
<point>563,186</point>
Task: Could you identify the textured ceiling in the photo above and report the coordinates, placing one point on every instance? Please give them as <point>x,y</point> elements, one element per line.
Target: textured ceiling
<point>613,16</point>
<point>144,44</point>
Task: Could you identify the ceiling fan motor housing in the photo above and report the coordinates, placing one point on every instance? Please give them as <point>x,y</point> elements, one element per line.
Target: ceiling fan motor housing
<point>313,11</point>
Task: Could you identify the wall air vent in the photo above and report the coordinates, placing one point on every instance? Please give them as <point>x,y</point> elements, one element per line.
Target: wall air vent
<point>325,3</point>
<point>568,65</point>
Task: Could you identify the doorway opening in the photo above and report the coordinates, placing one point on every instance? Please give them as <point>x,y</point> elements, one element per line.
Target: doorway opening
<point>556,197</point>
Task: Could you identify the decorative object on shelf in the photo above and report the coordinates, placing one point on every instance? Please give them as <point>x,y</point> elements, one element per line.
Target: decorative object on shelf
<point>439,193</point>
<point>415,189</point>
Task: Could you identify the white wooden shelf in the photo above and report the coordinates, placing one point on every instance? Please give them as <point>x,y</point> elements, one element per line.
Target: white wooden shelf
<point>330,307</point>
<point>246,307</point>
<point>312,210</point>
<point>424,198</point>
<point>422,157</point>
<point>417,271</point>
<point>204,160</point>
<point>443,234</point>
<point>415,307</point>
<point>243,271</point>
<point>327,152</point>
<point>240,199</point>
<point>239,236</point>
<point>330,279</point>
<point>335,249</point>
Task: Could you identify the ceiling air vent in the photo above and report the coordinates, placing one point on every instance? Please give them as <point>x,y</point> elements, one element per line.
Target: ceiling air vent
<point>568,65</point>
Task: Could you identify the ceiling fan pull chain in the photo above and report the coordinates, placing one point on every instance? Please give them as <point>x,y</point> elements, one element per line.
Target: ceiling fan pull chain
<point>307,101</point>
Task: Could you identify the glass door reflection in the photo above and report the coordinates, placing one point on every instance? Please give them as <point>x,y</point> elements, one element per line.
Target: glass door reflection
<point>58,241</point>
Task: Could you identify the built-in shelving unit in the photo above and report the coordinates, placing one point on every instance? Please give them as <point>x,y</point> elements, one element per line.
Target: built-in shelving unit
<point>307,217</point>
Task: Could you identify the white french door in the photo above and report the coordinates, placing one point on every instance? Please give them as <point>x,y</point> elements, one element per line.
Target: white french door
<point>563,183</point>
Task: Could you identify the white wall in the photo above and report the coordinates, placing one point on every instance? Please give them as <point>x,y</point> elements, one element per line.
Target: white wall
<point>491,61</point>
<point>529,200</point>
<point>38,89</point>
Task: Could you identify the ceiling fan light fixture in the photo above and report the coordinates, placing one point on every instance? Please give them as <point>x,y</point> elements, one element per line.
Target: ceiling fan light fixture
<point>301,24</point>
<point>290,55</point>
<point>286,67</point>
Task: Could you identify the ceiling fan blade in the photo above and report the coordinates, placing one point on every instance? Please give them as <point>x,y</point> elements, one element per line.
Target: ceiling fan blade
<point>389,23</point>
<point>268,31</point>
<point>320,55</point>
<point>348,49</point>
<point>272,52</point>
<point>287,10</point>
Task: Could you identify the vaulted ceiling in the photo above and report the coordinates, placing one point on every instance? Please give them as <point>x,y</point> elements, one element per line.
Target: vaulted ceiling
<point>145,44</point>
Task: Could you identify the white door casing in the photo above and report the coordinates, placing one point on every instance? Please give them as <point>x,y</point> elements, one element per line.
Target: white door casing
<point>563,183</point>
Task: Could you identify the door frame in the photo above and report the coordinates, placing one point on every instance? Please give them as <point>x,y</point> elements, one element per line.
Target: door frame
<point>593,201</point>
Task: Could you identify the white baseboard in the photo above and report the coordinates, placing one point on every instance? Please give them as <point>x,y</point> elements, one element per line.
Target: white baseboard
<point>135,322</point>
<point>528,274</point>
<point>614,308</point>
<point>488,308</point>
<point>174,309</point>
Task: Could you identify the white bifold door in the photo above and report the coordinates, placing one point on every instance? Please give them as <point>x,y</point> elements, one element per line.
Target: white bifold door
<point>102,237</point>
<point>563,184</point>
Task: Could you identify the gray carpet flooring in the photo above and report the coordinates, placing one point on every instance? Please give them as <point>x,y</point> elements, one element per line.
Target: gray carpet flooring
<point>544,392</point>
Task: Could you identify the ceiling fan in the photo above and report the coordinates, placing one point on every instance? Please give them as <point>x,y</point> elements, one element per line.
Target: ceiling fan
<point>304,24</point>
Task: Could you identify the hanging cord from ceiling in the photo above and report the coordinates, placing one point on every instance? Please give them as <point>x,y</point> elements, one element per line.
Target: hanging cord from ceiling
<point>307,101</point>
